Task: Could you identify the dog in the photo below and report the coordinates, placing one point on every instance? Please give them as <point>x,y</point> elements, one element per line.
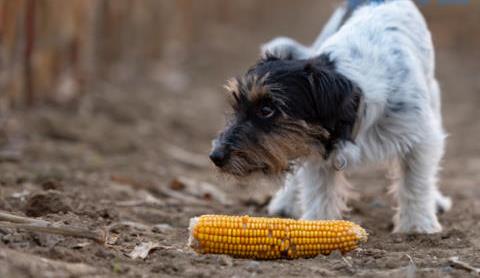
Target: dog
<point>364,93</point>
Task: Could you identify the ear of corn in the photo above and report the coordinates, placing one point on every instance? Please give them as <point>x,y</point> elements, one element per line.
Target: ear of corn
<point>272,238</point>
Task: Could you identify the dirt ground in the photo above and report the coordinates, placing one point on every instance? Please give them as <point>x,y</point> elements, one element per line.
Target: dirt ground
<point>131,157</point>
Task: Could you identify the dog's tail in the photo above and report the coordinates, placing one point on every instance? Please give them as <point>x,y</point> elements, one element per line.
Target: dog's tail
<point>339,17</point>
<point>333,24</point>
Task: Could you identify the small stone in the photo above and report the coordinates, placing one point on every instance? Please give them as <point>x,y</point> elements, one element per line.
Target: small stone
<point>447,269</point>
<point>52,185</point>
<point>177,184</point>
<point>335,255</point>
<point>225,260</point>
<point>253,266</point>
<point>397,239</point>
<point>162,228</point>
<point>44,203</point>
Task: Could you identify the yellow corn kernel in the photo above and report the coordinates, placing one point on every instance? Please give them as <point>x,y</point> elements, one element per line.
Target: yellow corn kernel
<point>272,238</point>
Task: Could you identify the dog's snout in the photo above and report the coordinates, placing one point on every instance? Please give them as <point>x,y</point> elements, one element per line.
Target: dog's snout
<point>219,156</point>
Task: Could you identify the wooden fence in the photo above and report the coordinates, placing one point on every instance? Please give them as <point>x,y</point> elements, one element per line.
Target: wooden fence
<point>51,50</point>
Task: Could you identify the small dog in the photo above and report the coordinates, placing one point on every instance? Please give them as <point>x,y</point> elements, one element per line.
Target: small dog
<point>364,92</point>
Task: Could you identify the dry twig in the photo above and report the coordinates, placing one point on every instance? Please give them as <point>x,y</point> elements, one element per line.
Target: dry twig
<point>456,262</point>
<point>12,221</point>
<point>5,216</point>
<point>36,265</point>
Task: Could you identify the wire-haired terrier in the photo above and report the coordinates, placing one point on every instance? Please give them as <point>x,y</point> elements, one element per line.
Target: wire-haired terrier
<point>363,93</point>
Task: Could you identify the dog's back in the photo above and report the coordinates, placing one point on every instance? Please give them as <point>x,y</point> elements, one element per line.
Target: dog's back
<point>386,48</point>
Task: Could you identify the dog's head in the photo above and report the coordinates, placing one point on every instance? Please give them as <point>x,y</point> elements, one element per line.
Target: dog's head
<point>283,110</point>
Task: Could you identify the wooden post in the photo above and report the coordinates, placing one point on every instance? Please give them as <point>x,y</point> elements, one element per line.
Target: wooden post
<point>29,46</point>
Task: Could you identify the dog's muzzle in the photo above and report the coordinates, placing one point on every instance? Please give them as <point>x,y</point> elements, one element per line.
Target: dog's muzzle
<point>219,154</point>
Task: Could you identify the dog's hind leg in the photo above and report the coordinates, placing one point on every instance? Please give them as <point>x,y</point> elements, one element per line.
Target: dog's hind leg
<point>416,191</point>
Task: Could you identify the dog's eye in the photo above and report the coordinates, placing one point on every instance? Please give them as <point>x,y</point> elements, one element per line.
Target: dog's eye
<point>266,112</point>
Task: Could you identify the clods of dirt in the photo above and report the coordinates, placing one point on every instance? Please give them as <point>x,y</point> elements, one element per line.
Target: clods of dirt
<point>52,185</point>
<point>47,202</point>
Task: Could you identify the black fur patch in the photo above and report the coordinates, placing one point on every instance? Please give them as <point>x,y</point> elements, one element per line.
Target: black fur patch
<point>313,91</point>
<point>283,110</point>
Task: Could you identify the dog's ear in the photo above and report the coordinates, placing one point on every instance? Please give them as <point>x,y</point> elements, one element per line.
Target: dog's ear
<point>264,58</point>
<point>335,98</point>
<point>309,68</point>
<point>347,110</point>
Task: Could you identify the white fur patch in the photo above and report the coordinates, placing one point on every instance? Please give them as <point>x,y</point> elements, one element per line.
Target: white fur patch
<point>386,49</point>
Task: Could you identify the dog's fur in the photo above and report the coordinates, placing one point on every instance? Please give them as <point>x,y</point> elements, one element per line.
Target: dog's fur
<point>299,111</point>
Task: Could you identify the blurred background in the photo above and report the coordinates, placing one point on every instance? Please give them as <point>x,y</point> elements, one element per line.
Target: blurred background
<point>53,50</point>
<point>156,67</point>
<point>95,94</point>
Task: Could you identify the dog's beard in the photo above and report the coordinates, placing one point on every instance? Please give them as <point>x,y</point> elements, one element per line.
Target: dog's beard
<point>275,153</point>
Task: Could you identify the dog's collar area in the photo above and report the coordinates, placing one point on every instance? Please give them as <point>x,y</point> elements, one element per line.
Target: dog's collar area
<point>358,118</point>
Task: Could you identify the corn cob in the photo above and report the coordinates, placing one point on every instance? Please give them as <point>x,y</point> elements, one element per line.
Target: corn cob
<point>272,238</point>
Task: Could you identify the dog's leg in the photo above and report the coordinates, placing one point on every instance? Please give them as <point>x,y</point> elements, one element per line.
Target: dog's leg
<point>443,203</point>
<point>416,191</point>
<point>286,48</point>
<point>324,191</point>
<point>285,201</point>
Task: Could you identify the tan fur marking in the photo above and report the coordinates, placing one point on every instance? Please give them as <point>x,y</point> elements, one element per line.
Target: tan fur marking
<point>275,152</point>
<point>232,86</point>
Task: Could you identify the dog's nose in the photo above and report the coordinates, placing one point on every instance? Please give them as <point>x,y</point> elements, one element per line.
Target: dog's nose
<point>219,156</point>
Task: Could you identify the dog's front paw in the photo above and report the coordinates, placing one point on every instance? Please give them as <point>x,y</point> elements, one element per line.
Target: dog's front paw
<point>423,224</point>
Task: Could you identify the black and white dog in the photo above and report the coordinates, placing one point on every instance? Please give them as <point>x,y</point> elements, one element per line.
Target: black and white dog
<point>364,92</point>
